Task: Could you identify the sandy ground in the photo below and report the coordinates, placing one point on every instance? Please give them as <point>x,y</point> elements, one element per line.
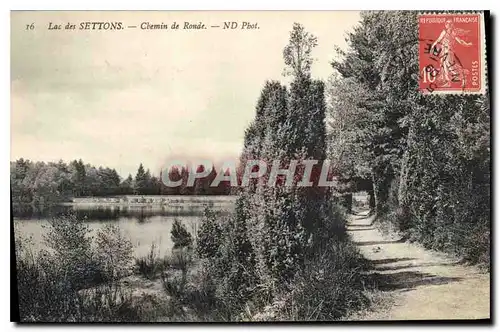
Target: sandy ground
<point>416,283</point>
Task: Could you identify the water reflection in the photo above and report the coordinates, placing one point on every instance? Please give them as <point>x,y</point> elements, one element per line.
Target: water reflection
<point>142,225</point>
<point>114,212</point>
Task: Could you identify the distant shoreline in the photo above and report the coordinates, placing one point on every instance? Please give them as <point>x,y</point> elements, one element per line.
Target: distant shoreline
<point>150,200</point>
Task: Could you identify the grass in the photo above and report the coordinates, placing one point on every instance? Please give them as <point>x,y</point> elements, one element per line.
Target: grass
<point>469,241</point>
<point>77,278</point>
<point>47,295</point>
<point>151,265</point>
<point>328,287</point>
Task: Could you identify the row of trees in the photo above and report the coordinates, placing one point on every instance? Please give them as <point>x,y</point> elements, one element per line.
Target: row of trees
<point>146,184</point>
<point>280,237</point>
<point>46,183</point>
<point>428,156</point>
<point>41,183</point>
<point>288,125</point>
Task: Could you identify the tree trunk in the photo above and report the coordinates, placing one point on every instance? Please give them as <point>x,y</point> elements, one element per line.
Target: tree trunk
<point>373,196</point>
<point>403,177</point>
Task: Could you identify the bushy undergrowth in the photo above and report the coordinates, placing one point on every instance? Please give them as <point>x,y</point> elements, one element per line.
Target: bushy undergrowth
<point>470,241</point>
<point>180,235</point>
<point>76,278</point>
<point>226,287</point>
<point>328,288</point>
<point>152,264</point>
<point>428,159</point>
<point>454,220</point>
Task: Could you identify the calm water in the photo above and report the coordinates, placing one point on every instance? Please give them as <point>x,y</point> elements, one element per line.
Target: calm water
<point>143,225</point>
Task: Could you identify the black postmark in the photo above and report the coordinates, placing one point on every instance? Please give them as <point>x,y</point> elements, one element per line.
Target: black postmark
<point>447,69</point>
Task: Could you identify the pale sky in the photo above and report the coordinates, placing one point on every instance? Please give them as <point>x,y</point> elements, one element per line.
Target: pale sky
<point>119,98</point>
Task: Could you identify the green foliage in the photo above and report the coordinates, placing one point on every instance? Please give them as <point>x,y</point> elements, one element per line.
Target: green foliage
<point>76,279</point>
<point>70,244</point>
<point>329,287</point>
<point>40,184</point>
<point>209,233</point>
<point>256,255</point>
<point>113,252</point>
<point>228,261</point>
<point>151,265</point>
<point>237,252</point>
<point>180,235</point>
<point>126,187</point>
<point>181,259</point>
<point>282,219</point>
<point>142,180</point>
<point>298,53</point>
<point>428,156</point>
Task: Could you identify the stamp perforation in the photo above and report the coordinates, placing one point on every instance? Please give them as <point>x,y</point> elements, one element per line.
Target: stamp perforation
<point>462,71</point>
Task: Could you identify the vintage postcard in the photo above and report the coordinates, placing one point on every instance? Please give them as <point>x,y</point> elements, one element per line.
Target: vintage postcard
<point>250,166</point>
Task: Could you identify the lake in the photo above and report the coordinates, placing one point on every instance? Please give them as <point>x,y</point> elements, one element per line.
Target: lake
<point>144,224</point>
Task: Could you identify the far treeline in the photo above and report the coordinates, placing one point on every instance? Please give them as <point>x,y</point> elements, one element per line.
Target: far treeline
<point>40,183</point>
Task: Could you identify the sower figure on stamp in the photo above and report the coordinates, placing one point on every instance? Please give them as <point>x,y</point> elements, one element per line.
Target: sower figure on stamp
<point>448,60</point>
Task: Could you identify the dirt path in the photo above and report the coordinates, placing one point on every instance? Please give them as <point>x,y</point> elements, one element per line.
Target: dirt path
<point>422,284</point>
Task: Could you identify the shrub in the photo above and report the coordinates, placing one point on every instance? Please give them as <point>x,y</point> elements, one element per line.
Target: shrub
<point>181,259</point>
<point>45,295</point>
<point>180,236</point>
<point>107,303</point>
<point>345,200</point>
<point>449,213</point>
<point>114,252</point>
<point>332,225</point>
<point>286,274</point>
<point>173,285</point>
<point>151,264</point>
<point>201,293</point>
<point>70,244</point>
<point>59,284</point>
<point>329,287</point>
<point>209,235</point>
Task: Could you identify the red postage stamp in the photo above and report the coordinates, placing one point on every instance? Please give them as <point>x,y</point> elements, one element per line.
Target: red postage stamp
<point>452,53</point>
